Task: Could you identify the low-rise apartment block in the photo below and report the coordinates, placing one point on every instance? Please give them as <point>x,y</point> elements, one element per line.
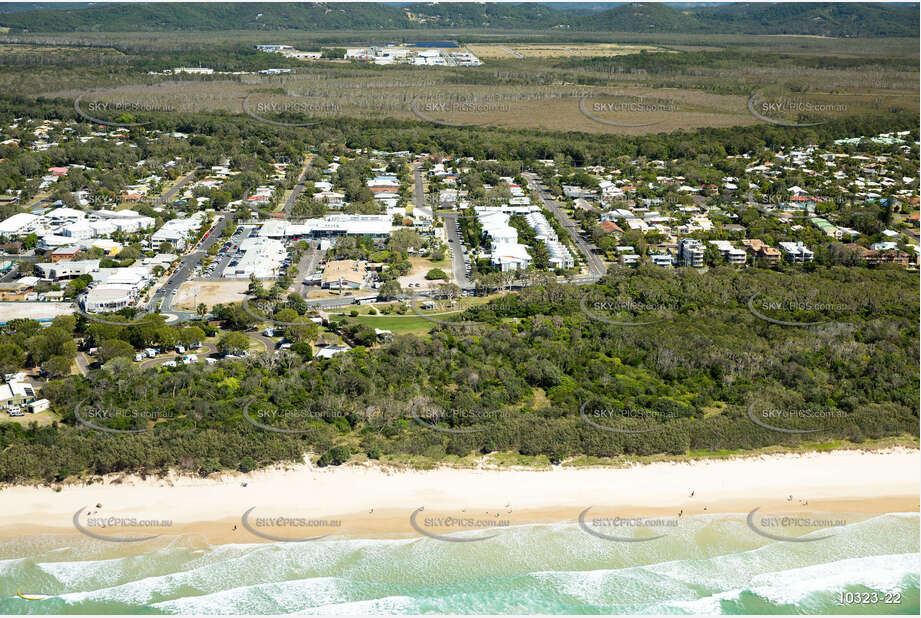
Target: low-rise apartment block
<point>729,253</point>
<point>796,252</point>
<point>761,251</point>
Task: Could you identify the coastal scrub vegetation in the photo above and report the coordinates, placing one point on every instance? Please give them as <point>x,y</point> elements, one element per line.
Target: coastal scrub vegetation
<point>549,372</point>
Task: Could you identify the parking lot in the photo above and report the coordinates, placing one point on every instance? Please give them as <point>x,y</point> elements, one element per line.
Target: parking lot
<point>461,263</point>
<point>227,255</point>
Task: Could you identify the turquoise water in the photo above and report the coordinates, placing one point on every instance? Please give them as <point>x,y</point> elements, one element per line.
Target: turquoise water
<point>710,564</point>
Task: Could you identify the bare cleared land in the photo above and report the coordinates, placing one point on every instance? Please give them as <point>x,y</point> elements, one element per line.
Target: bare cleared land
<point>209,292</point>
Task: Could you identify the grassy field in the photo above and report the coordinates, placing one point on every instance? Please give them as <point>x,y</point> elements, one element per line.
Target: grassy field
<point>551,50</point>
<point>399,325</point>
<point>39,418</point>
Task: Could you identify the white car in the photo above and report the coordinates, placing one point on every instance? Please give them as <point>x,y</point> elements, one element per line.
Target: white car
<point>169,364</point>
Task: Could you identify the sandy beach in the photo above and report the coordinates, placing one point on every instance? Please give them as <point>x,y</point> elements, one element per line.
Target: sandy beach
<point>377,502</point>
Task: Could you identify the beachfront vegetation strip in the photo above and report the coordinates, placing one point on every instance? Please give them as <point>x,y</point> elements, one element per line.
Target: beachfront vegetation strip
<point>521,384</point>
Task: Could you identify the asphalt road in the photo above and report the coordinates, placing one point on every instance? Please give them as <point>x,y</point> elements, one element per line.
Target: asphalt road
<point>171,193</point>
<point>419,194</point>
<point>11,274</point>
<point>595,264</point>
<point>268,342</point>
<point>457,252</point>
<point>299,187</point>
<point>186,268</point>
<point>83,363</point>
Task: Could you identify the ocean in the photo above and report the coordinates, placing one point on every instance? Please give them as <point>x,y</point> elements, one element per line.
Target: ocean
<point>709,564</point>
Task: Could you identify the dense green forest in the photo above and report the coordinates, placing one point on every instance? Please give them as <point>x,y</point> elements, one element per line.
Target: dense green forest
<point>518,381</point>
<point>726,59</point>
<point>825,19</point>
<point>224,133</point>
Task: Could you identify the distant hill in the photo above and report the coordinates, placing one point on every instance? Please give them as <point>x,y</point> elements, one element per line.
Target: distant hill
<point>21,7</point>
<point>643,17</point>
<point>834,19</point>
<point>826,19</point>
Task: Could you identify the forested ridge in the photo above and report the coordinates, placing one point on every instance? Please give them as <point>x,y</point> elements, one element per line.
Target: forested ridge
<point>224,133</point>
<point>825,19</point>
<point>519,381</point>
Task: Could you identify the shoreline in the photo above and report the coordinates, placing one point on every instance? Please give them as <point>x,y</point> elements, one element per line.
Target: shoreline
<point>377,502</point>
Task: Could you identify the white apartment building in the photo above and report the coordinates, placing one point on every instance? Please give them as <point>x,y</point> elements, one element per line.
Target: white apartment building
<point>796,252</point>
<point>19,224</point>
<point>510,256</point>
<point>374,226</point>
<point>690,253</point>
<point>560,256</point>
<point>729,253</point>
<point>178,231</point>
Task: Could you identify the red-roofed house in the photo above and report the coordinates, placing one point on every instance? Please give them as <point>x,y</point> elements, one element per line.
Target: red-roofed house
<point>609,227</point>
